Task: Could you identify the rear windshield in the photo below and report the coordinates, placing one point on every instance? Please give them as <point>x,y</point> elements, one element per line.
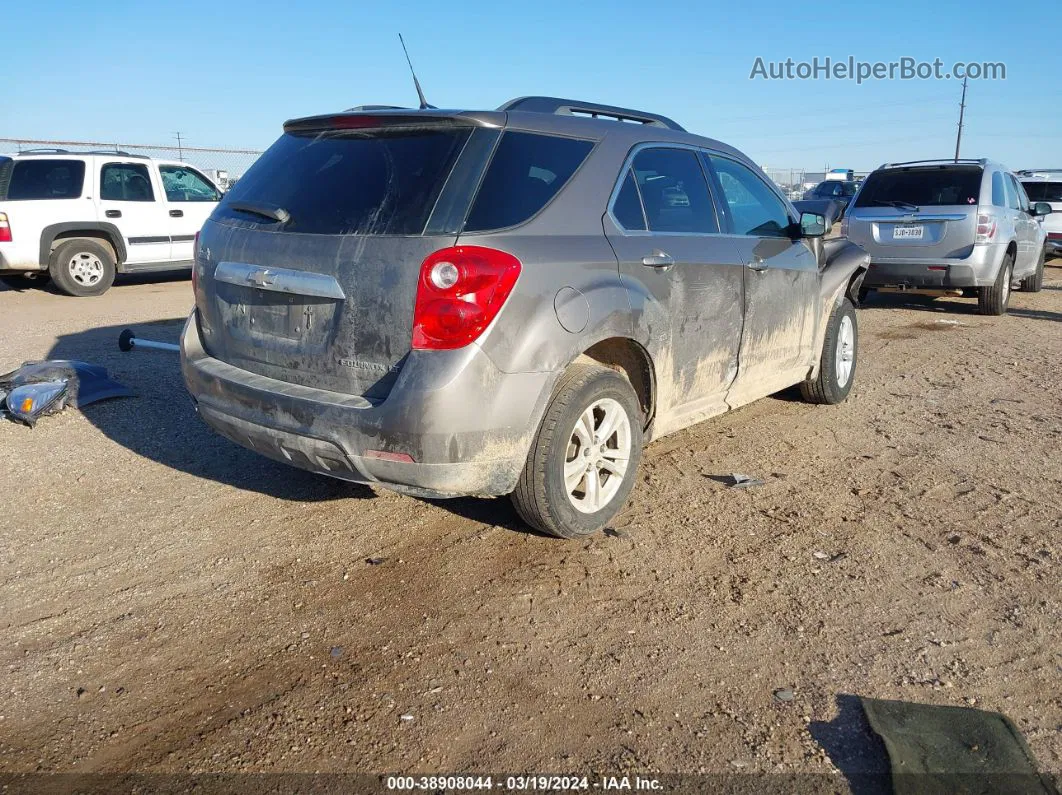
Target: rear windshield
<point>380,182</point>
<point>38,178</point>
<point>527,170</point>
<point>923,187</point>
<point>1043,191</point>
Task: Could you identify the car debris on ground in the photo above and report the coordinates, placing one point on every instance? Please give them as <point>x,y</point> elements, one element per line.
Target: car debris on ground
<point>37,389</point>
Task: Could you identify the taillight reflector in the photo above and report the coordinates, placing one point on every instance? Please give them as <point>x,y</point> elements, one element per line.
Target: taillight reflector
<point>384,455</point>
<point>461,290</point>
<point>5,229</point>
<point>986,228</point>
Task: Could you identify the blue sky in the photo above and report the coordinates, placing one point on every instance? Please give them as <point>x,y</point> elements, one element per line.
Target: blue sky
<point>229,73</point>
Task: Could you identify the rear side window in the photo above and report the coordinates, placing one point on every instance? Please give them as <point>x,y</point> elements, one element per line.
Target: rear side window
<point>527,170</point>
<point>125,182</point>
<point>1012,195</point>
<point>376,182</point>
<point>1043,191</point>
<point>922,186</point>
<point>1019,194</point>
<point>674,191</point>
<point>999,194</point>
<point>628,206</point>
<point>35,178</point>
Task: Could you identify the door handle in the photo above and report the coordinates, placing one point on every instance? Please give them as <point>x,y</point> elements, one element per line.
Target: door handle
<point>757,264</point>
<point>113,213</point>
<point>660,260</point>
<point>176,213</point>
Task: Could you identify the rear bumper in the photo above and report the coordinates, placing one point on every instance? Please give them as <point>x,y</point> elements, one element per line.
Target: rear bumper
<point>1053,247</point>
<point>979,269</point>
<point>466,424</point>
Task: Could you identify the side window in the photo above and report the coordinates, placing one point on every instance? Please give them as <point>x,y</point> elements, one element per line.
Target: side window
<point>34,178</point>
<point>527,170</point>
<point>999,194</point>
<point>1019,193</point>
<point>755,209</point>
<point>628,206</point>
<point>1012,197</point>
<point>125,182</point>
<point>674,191</point>
<point>185,185</point>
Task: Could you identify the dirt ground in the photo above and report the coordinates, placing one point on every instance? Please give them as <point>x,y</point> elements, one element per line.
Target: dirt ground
<point>171,602</point>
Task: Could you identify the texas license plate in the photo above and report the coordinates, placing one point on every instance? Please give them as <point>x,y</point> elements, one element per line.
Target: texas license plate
<point>908,232</point>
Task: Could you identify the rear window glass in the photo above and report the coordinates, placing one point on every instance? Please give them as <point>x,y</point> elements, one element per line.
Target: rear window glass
<point>379,182</point>
<point>527,170</point>
<point>1043,191</point>
<point>924,187</point>
<point>35,178</point>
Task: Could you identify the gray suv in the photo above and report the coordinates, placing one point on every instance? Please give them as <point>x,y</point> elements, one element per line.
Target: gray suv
<point>512,302</point>
<point>949,227</point>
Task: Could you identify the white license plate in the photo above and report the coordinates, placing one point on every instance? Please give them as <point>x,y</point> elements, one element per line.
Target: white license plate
<point>908,232</point>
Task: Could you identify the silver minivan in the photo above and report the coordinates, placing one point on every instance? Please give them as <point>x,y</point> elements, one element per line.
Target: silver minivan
<point>507,302</point>
<point>949,227</point>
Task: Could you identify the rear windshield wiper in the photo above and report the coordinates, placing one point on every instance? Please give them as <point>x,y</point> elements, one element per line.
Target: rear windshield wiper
<point>270,211</point>
<point>899,205</point>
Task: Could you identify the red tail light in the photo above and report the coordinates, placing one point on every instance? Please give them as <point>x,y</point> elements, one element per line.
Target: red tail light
<point>5,229</point>
<point>461,290</point>
<point>986,228</point>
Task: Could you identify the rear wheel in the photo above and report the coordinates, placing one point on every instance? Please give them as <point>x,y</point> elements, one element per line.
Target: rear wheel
<point>1035,283</point>
<point>582,463</point>
<point>837,366</point>
<point>82,267</point>
<point>994,300</point>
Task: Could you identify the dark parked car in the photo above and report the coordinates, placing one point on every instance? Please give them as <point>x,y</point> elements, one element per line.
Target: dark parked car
<point>840,191</point>
<point>507,302</point>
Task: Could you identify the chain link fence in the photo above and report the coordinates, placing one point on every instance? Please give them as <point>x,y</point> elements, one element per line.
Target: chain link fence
<point>224,166</point>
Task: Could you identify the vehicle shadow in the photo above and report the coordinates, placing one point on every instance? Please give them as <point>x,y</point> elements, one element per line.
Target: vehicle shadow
<point>920,303</point>
<point>160,422</point>
<point>854,748</point>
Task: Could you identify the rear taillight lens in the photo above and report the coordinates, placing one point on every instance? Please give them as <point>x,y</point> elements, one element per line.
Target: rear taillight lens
<point>461,290</point>
<point>5,229</point>
<point>986,228</point>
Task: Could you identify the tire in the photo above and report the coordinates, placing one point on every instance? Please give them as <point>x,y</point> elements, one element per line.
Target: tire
<point>1035,283</point>
<point>995,299</point>
<point>840,355</point>
<point>82,267</point>
<point>542,498</point>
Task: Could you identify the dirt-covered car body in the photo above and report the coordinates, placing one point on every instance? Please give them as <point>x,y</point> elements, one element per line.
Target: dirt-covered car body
<point>667,257</point>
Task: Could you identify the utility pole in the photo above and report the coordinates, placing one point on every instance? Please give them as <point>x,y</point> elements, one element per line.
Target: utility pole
<point>180,151</point>
<point>962,110</point>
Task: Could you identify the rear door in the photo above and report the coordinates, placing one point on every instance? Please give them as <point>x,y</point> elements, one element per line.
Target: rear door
<point>918,212</point>
<point>309,267</point>
<point>190,199</point>
<point>130,199</point>
<point>1026,227</point>
<point>684,275</point>
<point>36,192</point>
<point>781,279</point>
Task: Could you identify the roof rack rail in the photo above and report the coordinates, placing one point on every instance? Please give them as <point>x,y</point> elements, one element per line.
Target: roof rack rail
<point>1031,171</point>
<point>575,107</point>
<point>44,150</point>
<point>361,108</point>
<point>942,160</point>
<point>49,151</point>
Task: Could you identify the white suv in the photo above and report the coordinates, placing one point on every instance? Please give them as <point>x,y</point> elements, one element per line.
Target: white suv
<point>82,217</point>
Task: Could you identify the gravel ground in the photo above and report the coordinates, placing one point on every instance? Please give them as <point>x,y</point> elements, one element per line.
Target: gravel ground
<point>173,603</point>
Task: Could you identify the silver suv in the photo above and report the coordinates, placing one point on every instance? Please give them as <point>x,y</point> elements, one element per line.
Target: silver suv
<point>958,227</point>
<point>506,302</point>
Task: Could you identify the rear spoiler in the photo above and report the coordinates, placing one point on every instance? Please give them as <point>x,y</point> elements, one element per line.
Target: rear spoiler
<point>356,119</point>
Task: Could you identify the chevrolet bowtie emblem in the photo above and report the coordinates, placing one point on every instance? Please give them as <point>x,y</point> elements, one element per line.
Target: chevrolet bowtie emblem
<point>261,278</point>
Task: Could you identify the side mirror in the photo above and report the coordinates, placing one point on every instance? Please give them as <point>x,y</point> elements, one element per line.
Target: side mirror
<point>812,225</point>
<point>1040,209</point>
